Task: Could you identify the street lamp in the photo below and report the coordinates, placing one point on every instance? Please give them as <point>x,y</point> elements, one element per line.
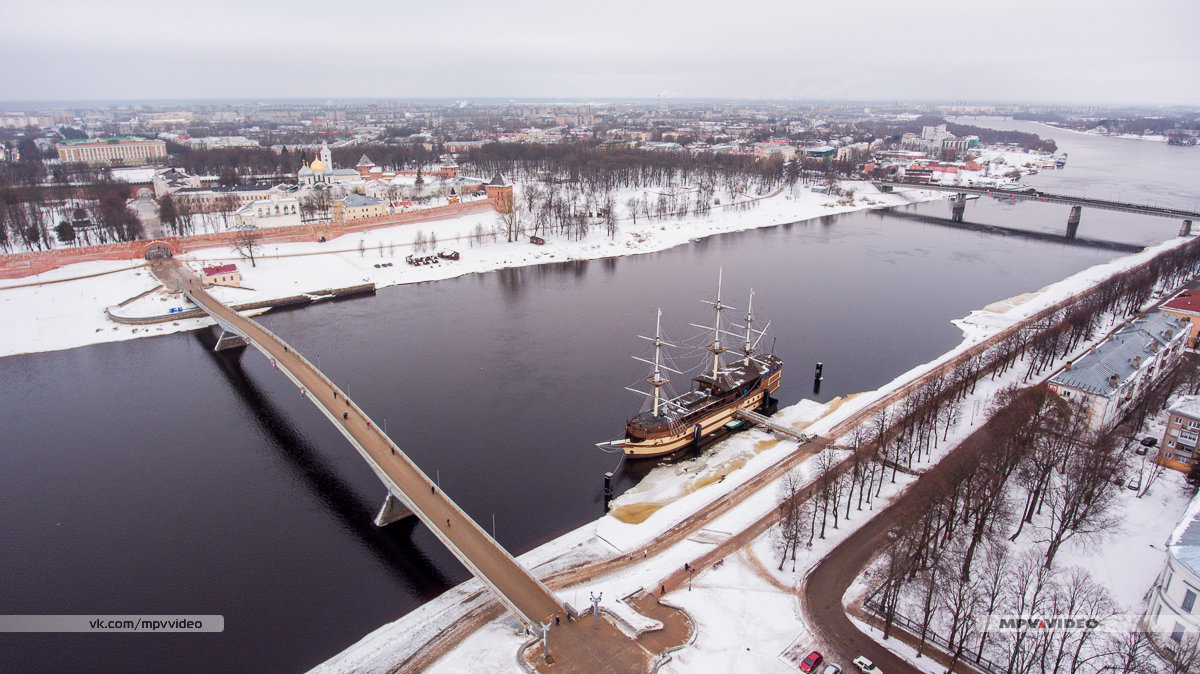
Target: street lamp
<point>546,639</point>
<point>596,610</point>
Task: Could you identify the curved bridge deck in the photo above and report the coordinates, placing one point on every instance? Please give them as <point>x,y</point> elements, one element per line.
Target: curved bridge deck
<point>515,587</point>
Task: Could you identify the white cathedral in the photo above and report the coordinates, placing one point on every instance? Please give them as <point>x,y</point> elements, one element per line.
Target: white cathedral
<point>321,171</point>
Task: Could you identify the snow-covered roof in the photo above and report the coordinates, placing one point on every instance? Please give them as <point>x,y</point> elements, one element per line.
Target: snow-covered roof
<point>1103,370</point>
<point>1187,406</point>
<point>1184,544</point>
<point>354,200</point>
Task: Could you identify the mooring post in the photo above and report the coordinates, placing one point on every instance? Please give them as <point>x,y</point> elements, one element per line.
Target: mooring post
<point>817,378</point>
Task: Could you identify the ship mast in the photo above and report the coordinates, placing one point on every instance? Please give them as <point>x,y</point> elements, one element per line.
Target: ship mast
<point>749,347</point>
<point>657,380</point>
<point>716,347</point>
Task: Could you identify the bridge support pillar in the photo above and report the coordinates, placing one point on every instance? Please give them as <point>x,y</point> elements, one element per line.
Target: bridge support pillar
<point>229,340</point>
<point>393,510</point>
<point>958,206</point>
<point>1073,221</point>
<point>1186,228</point>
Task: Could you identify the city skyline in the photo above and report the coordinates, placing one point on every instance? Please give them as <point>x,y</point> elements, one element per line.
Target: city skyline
<point>870,51</point>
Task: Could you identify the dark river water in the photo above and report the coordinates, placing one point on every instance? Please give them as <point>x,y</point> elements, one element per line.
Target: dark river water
<point>156,477</point>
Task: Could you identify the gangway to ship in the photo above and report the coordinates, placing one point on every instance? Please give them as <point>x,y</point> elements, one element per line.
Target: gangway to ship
<point>765,422</point>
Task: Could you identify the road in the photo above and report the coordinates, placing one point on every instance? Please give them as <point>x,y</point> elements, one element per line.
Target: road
<point>826,584</point>
<point>513,585</point>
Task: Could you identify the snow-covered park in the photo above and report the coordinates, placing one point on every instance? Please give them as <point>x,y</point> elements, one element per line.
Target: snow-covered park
<point>65,308</point>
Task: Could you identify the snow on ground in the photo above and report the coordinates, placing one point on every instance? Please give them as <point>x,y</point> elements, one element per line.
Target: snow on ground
<point>723,603</point>
<point>701,484</point>
<point>65,315</point>
<point>71,313</point>
<point>923,664</point>
<point>667,483</point>
<point>1145,525</point>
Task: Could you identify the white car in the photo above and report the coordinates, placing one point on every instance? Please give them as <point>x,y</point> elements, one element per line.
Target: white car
<point>866,666</point>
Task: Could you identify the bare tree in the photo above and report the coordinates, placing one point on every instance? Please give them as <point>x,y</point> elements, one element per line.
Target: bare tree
<point>960,598</point>
<point>794,520</point>
<point>1080,499</point>
<point>632,206</point>
<point>246,244</point>
<point>510,214</point>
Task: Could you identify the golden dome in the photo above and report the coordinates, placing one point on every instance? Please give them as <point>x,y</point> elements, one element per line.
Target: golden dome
<point>317,165</point>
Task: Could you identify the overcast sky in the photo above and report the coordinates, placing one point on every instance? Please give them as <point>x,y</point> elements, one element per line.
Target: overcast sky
<point>1053,51</point>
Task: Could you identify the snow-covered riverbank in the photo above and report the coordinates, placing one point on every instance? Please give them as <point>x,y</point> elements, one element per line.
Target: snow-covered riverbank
<point>64,308</point>
<point>742,603</point>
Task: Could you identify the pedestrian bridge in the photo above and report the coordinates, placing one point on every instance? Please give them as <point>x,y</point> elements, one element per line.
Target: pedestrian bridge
<point>410,492</point>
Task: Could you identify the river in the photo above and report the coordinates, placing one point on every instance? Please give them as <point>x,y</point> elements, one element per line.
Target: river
<point>156,477</point>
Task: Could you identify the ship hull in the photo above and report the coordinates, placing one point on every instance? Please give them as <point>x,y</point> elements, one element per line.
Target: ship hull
<point>685,435</point>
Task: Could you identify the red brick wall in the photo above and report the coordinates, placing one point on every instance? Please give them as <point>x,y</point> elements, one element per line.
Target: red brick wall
<point>18,265</point>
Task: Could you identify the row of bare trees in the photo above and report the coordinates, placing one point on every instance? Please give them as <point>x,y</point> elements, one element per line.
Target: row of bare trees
<point>1035,467</point>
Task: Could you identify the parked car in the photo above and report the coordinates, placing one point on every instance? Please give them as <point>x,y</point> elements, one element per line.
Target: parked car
<point>1135,483</point>
<point>832,669</point>
<point>866,666</point>
<point>810,663</point>
<point>1149,441</point>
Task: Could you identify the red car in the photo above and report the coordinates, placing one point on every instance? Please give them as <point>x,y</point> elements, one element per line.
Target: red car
<point>811,662</point>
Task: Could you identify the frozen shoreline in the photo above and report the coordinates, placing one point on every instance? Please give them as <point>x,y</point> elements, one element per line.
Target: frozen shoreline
<point>62,310</point>
<point>684,492</point>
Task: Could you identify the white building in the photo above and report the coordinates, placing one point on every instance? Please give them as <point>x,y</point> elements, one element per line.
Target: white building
<point>1112,375</point>
<point>277,210</point>
<point>321,172</point>
<point>1171,612</point>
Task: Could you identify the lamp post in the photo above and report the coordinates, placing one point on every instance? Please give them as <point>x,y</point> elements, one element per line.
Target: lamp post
<point>546,639</point>
<point>596,610</point>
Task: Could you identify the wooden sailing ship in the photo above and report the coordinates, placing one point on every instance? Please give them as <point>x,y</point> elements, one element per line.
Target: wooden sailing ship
<point>671,424</point>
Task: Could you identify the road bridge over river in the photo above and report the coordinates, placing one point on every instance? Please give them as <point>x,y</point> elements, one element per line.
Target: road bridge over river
<point>410,491</point>
<point>958,203</point>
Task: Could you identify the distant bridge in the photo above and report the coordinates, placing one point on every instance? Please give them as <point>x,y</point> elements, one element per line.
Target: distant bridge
<point>410,491</point>
<point>958,203</point>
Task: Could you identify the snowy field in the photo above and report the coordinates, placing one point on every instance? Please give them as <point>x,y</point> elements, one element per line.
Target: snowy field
<point>49,316</point>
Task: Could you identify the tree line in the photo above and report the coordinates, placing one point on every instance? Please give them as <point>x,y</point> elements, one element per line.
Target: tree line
<point>1034,468</point>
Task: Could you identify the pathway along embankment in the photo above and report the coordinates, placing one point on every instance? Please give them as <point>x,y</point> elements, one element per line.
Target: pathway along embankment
<point>475,618</point>
<point>289,301</point>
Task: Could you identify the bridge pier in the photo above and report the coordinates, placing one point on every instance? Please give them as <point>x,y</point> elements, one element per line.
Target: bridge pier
<point>1186,228</point>
<point>393,510</point>
<point>1073,221</point>
<point>229,340</point>
<point>958,206</point>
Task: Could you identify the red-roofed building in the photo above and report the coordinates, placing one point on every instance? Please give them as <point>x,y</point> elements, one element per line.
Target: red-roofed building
<point>1186,305</point>
<point>221,275</point>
